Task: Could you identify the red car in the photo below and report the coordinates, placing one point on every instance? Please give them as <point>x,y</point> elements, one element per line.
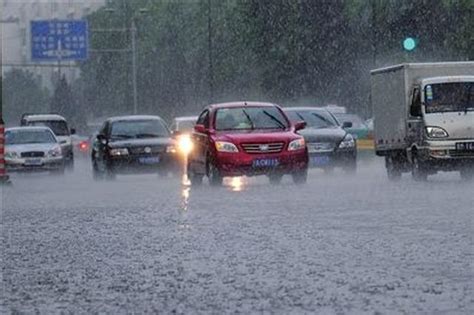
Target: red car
<point>246,138</point>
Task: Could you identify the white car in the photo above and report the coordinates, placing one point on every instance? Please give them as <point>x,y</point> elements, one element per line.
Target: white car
<point>33,149</point>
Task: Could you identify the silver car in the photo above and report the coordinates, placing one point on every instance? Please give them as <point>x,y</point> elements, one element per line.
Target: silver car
<point>33,149</point>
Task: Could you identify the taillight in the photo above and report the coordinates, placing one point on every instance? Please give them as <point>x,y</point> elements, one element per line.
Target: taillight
<point>83,146</point>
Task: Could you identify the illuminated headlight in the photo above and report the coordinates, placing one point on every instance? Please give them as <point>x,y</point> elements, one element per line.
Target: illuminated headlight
<point>119,152</point>
<point>56,152</point>
<point>11,155</point>
<point>222,146</point>
<point>185,144</point>
<point>296,145</point>
<point>347,142</point>
<point>436,132</point>
<point>171,149</point>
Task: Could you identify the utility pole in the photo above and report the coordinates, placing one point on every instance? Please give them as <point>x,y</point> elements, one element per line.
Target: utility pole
<point>133,30</point>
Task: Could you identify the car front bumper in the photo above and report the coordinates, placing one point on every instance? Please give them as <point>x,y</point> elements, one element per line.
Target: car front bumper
<point>330,159</point>
<point>238,164</point>
<point>151,163</point>
<point>40,164</point>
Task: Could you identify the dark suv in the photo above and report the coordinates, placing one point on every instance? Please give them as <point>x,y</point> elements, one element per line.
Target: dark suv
<point>131,144</point>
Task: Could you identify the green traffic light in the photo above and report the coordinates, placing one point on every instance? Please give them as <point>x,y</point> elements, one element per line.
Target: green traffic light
<point>409,44</point>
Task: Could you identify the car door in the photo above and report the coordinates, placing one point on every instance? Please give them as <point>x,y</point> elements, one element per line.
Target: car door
<point>201,143</point>
<point>99,150</point>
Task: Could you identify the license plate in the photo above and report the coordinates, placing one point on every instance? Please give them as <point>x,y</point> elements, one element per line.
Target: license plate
<point>465,146</point>
<point>319,160</point>
<point>33,162</point>
<point>149,160</point>
<point>265,163</point>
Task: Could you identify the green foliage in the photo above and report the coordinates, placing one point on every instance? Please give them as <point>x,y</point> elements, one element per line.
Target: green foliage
<point>21,93</point>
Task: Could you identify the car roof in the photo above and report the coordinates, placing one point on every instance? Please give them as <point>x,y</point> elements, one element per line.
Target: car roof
<point>29,128</point>
<point>43,117</point>
<point>301,108</point>
<point>241,104</point>
<point>133,117</point>
<point>186,118</point>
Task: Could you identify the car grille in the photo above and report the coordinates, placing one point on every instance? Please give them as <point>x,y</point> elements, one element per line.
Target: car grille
<point>468,154</point>
<point>320,146</point>
<point>143,150</point>
<point>32,154</point>
<point>255,148</point>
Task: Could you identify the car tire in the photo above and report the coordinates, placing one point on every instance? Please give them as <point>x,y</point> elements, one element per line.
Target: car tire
<point>70,164</point>
<point>394,172</point>
<point>215,178</point>
<point>418,170</point>
<point>467,174</point>
<point>300,177</point>
<point>97,174</point>
<point>194,178</point>
<point>275,178</point>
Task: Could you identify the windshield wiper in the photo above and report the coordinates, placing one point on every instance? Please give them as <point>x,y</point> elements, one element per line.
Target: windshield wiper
<point>252,126</point>
<point>147,135</point>
<point>280,124</point>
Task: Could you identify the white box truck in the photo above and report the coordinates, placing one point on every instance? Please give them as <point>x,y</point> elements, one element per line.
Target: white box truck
<point>424,118</point>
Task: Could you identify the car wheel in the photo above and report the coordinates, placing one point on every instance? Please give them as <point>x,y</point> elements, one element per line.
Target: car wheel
<point>70,164</point>
<point>393,168</point>
<point>215,178</point>
<point>300,177</point>
<point>97,174</point>
<point>275,178</point>
<point>418,171</point>
<point>467,174</point>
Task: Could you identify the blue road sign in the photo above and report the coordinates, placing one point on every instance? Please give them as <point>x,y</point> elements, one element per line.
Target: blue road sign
<point>56,40</point>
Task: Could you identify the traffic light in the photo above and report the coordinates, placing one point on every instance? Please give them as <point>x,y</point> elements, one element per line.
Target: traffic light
<point>409,44</point>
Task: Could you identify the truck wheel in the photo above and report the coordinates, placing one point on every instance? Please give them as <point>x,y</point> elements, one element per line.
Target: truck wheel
<point>467,174</point>
<point>215,178</point>
<point>393,168</point>
<point>418,171</point>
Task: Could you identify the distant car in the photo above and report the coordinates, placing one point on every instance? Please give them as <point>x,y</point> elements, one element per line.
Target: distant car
<point>329,144</point>
<point>132,144</point>
<point>246,138</point>
<point>182,127</point>
<point>81,145</point>
<point>59,126</point>
<point>33,149</point>
<point>359,129</point>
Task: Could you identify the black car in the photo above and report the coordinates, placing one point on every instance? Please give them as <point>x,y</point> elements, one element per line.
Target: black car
<point>329,144</point>
<point>132,144</point>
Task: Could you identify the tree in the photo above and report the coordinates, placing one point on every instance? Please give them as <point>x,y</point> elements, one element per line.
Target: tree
<point>22,93</point>
<point>64,103</point>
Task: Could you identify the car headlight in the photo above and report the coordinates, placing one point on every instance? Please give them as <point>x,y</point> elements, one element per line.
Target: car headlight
<point>171,149</point>
<point>347,142</point>
<point>56,152</point>
<point>11,155</point>
<point>297,144</point>
<point>436,132</point>
<point>185,144</point>
<point>119,151</point>
<point>222,146</point>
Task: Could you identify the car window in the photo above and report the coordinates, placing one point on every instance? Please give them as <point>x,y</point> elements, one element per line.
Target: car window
<point>185,125</point>
<point>313,119</point>
<point>29,137</point>
<point>354,119</point>
<point>138,129</point>
<point>244,118</point>
<point>204,119</point>
<point>59,127</point>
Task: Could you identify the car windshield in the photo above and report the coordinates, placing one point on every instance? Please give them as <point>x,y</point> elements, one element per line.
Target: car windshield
<point>185,125</point>
<point>449,97</point>
<point>356,121</point>
<point>249,118</point>
<point>59,127</point>
<point>150,128</point>
<point>13,137</point>
<point>314,119</point>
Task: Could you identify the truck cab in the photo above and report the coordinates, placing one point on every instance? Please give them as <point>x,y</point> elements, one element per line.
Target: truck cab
<point>424,119</point>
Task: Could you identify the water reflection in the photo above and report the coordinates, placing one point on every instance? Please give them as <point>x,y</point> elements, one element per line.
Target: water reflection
<point>185,191</point>
<point>236,184</point>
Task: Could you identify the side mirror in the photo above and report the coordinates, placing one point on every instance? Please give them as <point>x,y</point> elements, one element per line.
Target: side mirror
<point>102,139</point>
<point>299,125</point>
<point>347,124</point>
<point>200,129</point>
<point>73,131</point>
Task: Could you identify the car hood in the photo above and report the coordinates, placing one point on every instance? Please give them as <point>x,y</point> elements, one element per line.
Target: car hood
<point>333,135</point>
<point>140,142</point>
<point>458,125</point>
<point>253,136</point>
<point>40,147</point>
